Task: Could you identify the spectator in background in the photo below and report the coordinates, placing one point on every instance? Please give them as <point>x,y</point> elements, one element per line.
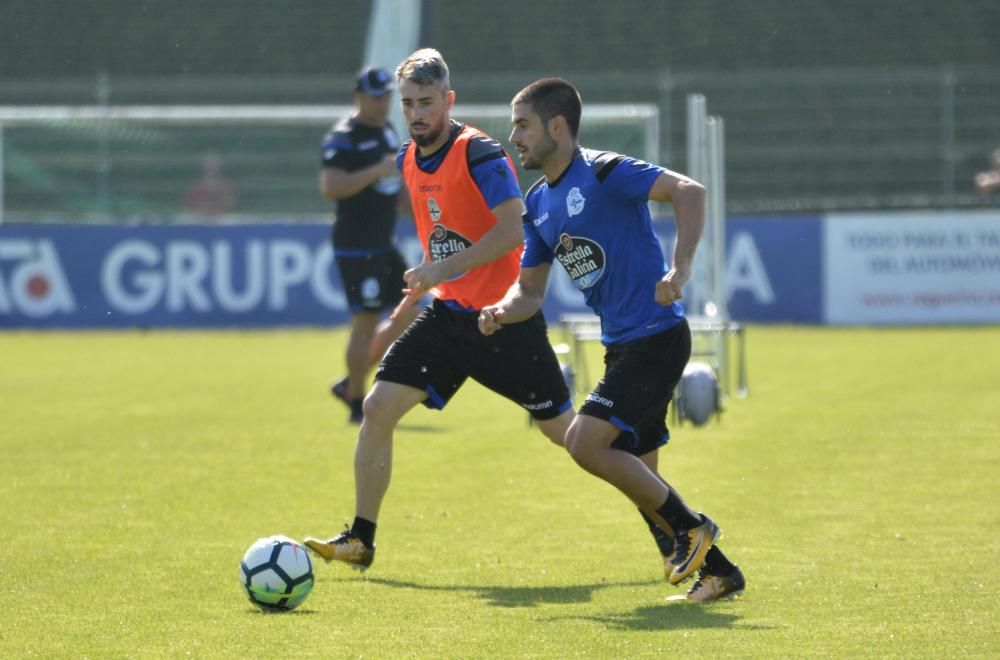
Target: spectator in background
<point>988,182</point>
<point>213,194</point>
<point>359,173</point>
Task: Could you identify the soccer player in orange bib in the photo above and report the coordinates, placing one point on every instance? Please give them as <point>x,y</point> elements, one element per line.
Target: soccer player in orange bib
<point>467,207</point>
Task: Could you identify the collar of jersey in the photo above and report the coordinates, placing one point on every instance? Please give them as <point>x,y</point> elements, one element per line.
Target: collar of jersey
<point>576,155</point>
<point>430,163</point>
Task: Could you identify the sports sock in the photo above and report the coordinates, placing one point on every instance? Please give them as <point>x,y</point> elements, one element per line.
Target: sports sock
<point>364,530</point>
<point>677,514</point>
<point>717,563</point>
<point>357,406</point>
<point>664,541</point>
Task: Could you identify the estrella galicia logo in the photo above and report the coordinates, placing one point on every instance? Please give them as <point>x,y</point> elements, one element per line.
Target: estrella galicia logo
<point>582,258</point>
<point>433,209</point>
<point>443,242</point>
<point>574,202</point>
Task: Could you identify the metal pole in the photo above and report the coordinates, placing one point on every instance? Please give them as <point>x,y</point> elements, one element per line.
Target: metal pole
<point>948,134</point>
<point>1,175</point>
<point>104,147</point>
<point>717,205</point>
<point>697,170</point>
<point>716,226</point>
<point>666,88</point>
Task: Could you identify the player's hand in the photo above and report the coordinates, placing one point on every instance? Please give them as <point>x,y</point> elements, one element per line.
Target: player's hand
<point>489,320</point>
<point>419,280</point>
<point>423,277</point>
<point>670,289</point>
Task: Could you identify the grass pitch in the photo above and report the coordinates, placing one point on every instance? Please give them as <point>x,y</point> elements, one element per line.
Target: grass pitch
<point>857,486</point>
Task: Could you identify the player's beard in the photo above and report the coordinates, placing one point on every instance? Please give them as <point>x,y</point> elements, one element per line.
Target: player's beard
<point>429,136</point>
<point>535,157</point>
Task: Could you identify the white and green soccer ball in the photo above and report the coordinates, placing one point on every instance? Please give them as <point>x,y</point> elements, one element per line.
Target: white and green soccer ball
<point>276,574</point>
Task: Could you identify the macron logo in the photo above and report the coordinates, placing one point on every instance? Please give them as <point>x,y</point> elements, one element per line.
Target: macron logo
<point>597,398</point>
<point>539,221</point>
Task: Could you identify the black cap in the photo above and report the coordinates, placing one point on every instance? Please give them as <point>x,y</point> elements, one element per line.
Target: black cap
<point>375,81</point>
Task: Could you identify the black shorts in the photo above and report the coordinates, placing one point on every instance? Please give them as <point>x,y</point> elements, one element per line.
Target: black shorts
<point>373,282</point>
<point>443,347</point>
<point>639,380</point>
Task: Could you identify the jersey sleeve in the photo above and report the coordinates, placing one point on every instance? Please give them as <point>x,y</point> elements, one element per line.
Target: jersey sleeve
<point>536,251</point>
<point>628,179</point>
<point>401,155</point>
<point>337,150</point>
<point>491,171</point>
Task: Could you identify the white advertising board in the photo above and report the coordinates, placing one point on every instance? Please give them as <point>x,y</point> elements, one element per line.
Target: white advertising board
<point>912,268</point>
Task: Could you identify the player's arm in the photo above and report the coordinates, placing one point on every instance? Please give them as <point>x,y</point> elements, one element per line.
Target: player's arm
<point>336,183</point>
<point>522,300</point>
<point>687,196</point>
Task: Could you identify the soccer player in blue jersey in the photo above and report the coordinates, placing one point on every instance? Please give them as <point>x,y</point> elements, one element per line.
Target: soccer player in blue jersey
<point>589,211</point>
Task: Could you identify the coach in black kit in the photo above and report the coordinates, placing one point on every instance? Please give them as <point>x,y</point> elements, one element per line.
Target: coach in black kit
<point>359,172</point>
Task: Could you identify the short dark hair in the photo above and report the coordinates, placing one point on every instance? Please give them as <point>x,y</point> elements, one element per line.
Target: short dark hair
<point>550,97</point>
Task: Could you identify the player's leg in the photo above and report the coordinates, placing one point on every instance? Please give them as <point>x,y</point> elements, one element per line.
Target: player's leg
<point>389,331</point>
<point>363,326</point>
<point>417,369</point>
<point>718,577</point>
<point>384,406</point>
<point>624,418</point>
<point>353,272</point>
<point>519,364</point>
<point>392,285</point>
<point>664,539</point>
<point>555,429</point>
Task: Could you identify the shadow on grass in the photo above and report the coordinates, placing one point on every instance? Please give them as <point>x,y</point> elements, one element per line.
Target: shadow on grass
<point>668,616</point>
<point>420,428</point>
<point>302,611</point>
<point>505,596</point>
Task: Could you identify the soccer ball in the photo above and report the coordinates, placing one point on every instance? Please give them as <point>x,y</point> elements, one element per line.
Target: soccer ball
<point>276,573</point>
<point>698,393</point>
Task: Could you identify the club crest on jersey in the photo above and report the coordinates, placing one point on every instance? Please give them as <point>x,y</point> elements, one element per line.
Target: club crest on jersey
<point>433,209</point>
<point>574,202</point>
<point>443,242</point>
<point>582,258</point>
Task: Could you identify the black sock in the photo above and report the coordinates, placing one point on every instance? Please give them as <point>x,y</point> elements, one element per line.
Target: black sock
<point>357,406</point>
<point>716,563</point>
<point>364,530</point>
<point>664,541</point>
<point>677,514</point>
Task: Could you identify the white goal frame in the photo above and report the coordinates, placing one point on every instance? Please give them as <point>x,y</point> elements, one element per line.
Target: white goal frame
<point>321,115</point>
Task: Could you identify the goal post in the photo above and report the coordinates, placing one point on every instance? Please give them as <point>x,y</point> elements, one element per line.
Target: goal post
<point>116,163</point>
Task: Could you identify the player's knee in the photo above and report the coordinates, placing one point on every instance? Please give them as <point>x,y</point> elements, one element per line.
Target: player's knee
<point>378,409</point>
<point>555,430</point>
<point>555,438</point>
<point>583,451</point>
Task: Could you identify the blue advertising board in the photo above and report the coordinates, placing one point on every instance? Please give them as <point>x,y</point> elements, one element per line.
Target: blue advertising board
<point>261,275</point>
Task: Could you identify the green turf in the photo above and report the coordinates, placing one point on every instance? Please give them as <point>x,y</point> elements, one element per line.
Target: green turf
<point>857,487</point>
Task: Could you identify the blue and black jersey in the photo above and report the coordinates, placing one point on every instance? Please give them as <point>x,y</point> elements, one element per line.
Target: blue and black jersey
<point>366,222</point>
<point>595,221</point>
